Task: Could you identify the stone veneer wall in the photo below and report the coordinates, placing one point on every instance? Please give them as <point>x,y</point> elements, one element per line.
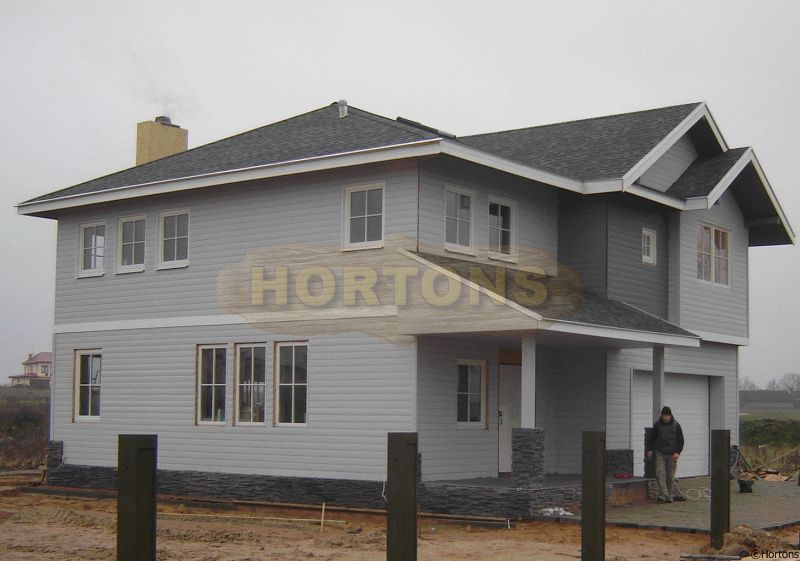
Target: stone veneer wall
<point>441,497</point>
<point>619,461</point>
<point>527,457</point>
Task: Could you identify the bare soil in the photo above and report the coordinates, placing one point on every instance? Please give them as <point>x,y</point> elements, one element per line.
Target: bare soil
<point>65,528</point>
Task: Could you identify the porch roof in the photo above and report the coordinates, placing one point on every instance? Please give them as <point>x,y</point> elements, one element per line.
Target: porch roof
<point>567,307</point>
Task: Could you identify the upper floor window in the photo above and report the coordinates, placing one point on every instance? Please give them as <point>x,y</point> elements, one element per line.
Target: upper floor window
<point>471,394</point>
<point>292,394</point>
<point>251,374</point>
<point>500,233</point>
<point>87,384</point>
<point>131,244</point>
<point>458,218</point>
<point>45,370</point>
<point>713,254</point>
<point>648,246</point>
<point>364,215</point>
<point>211,381</point>
<point>93,246</point>
<point>175,239</point>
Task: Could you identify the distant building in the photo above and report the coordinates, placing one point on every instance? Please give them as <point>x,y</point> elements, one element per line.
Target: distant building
<point>36,371</point>
<point>765,399</point>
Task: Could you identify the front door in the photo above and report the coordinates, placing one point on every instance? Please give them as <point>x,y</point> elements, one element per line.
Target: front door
<point>510,388</point>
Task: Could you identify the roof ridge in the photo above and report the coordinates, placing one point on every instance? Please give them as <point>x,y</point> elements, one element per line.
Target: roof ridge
<point>585,119</point>
<point>376,117</point>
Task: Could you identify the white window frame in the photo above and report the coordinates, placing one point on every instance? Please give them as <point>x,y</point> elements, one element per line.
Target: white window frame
<point>483,422</point>
<point>512,255</point>
<point>98,271</point>
<point>714,228</point>
<point>348,191</point>
<point>456,247</point>
<point>178,263</point>
<point>198,386</point>
<point>652,236</point>
<point>236,383</point>
<point>76,376</point>
<point>139,267</point>
<point>277,382</point>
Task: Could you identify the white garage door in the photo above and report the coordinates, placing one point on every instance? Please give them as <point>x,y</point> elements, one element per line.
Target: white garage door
<point>687,395</point>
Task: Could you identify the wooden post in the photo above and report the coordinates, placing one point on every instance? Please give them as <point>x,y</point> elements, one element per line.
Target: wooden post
<point>593,496</point>
<point>136,497</point>
<point>720,486</point>
<point>401,490</point>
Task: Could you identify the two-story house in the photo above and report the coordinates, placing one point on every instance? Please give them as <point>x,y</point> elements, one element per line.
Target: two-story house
<point>272,304</point>
<point>35,371</point>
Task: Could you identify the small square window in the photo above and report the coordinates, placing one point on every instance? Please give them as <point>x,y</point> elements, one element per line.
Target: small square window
<point>649,246</point>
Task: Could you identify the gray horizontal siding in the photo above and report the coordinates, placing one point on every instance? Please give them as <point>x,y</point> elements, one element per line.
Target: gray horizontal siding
<point>710,359</point>
<point>570,385</point>
<point>448,451</point>
<point>360,388</point>
<point>703,306</point>
<point>669,167</point>
<point>629,280</point>
<point>536,210</point>
<point>582,239</point>
<point>226,224</point>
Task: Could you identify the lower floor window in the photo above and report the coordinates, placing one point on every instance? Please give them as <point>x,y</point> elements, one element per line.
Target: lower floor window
<point>292,394</point>
<point>251,381</point>
<point>471,395</point>
<point>211,384</point>
<point>88,383</point>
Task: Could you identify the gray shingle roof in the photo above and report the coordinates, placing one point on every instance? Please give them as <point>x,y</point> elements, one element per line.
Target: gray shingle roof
<point>598,148</point>
<point>703,175</point>
<point>317,133</point>
<point>567,302</point>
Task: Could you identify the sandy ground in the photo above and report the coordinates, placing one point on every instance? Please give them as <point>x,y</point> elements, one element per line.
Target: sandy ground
<point>45,527</point>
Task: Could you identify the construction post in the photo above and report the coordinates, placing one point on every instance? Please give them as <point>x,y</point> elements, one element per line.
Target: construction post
<point>136,497</point>
<point>720,486</point>
<point>593,496</point>
<point>401,491</point>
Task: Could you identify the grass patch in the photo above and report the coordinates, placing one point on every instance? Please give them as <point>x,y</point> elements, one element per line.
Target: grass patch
<point>755,414</point>
<point>24,427</point>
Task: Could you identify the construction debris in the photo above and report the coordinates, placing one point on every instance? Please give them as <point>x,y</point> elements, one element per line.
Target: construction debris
<point>743,540</point>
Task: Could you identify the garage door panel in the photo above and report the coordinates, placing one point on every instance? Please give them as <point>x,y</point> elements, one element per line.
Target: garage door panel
<point>687,395</point>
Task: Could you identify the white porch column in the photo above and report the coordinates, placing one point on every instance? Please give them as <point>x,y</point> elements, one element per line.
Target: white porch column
<point>528,386</point>
<point>658,380</point>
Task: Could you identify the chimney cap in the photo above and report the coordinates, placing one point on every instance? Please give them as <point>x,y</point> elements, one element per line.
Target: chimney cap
<point>164,120</point>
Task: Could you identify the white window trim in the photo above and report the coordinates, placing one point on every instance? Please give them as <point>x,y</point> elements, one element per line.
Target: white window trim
<point>122,269</point>
<point>348,190</point>
<point>483,423</point>
<point>653,235</point>
<point>236,420</point>
<point>177,264</point>
<point>508,257</point>
<point>713,281</point>
<point>454,247</point>
<point>91,272</point>
<point>198,377</point>
<point>76,381</point>
<point>276,376</point>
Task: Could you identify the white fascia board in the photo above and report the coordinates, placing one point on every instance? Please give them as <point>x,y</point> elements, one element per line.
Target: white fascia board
<point>602,186</point>
<point>719,338</point>
<point>656,196</point>
<point>723,184</point>
<point>305,165</point>
<point>490,160</point>
<point>666,143</point>
<point>621,334</point>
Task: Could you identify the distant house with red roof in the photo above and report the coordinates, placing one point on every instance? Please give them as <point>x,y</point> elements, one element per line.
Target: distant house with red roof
<point>35,371</point>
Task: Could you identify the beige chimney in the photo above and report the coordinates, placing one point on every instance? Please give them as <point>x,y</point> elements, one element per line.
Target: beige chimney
<point>158,139</point>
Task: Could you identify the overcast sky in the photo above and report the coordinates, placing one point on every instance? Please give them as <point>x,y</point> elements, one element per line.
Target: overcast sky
<point>77,76</point>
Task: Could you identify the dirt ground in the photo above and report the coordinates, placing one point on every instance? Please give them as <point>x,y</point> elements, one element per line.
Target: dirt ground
<point>46,527</point>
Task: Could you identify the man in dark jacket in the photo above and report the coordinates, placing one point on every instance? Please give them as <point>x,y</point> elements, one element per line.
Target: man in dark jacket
<point>665,442</point>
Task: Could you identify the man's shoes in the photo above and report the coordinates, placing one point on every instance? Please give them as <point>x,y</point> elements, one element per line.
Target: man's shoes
<point>679,498</point>
<point>663,499</point>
